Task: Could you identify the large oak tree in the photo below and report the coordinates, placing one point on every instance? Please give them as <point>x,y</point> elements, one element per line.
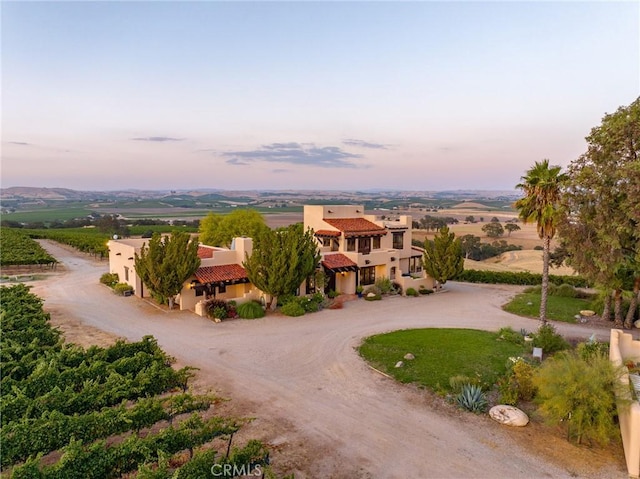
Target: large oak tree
<point>219,230</point>
<point>601,230</point>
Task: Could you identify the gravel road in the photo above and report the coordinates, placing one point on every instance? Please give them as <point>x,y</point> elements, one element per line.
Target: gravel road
<point>303,379</point>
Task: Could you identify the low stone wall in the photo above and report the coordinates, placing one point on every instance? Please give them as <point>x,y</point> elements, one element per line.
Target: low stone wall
<point>622,347</point>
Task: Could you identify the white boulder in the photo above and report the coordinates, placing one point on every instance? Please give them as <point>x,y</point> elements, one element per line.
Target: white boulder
<point>399,364</point>
<point>409,356</point>
<point>508,415</point>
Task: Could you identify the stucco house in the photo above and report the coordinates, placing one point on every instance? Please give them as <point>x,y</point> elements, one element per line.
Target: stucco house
<point>357,249</point>
<point>220,274</point>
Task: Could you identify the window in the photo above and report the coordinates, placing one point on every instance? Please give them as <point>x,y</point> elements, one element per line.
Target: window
<point>376,242</point>
<point>392,273</point>
<point>199,290</point>
<point>334,244</point>
<point>126,273</point>
<point>368,275</point>
<point>326,241</point>
<point>415,264</point>
<point>351,244</point>
<point>222,288</point>
<point>364,245</point>
<point>398,242</point>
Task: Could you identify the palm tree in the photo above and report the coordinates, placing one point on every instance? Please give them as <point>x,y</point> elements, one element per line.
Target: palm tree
<point>542,188</point>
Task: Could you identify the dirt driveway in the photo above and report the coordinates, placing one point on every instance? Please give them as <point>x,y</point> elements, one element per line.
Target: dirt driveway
<point>325,413</point>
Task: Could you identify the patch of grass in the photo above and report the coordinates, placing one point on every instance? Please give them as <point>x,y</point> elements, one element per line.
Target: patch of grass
<point>439,355</point>
<point>559,308</point>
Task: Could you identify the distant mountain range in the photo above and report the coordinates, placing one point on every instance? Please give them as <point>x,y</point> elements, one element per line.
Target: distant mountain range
<point>66,194</point>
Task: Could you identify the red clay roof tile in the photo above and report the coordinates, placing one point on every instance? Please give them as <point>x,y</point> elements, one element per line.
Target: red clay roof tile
<point>327,233</point>
<point>337,261</point>
<point>356,227</point>
<point>221,273</point>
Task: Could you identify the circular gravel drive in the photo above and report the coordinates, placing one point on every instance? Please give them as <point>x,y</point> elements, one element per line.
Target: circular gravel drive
<point>305,374</point>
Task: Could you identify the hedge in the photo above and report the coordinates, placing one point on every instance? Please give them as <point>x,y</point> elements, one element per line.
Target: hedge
<point>520,278</point>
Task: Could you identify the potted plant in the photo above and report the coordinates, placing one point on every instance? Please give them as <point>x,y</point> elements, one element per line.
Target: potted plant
<point>359,290</point>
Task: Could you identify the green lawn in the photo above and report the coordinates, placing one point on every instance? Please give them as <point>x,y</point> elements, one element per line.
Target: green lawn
<point>439,355</point>
<point>559,308</point>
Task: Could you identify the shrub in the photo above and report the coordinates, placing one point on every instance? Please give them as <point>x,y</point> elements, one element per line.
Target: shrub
<point>517,383</point>
<point>521,278</point>
<point>523,373</point>
<point>458,382</point>
<point>580,394</point>
<point>384,285</point>
<point>308,303</point>
<point>121,288</point>
<point>566,291</point>
<point>372,289</point>
<point>549,340</point>
<point>372,296</point>
<point>411,292</point>
<point>509,335</point>
<point>218,308</point>
<point>472,398</point>
<point>396,289</point>
<point>110,279</point>
<point>424,290</point>
<point>219,312</point>
<point>292,308</point>
<point>592,348</point>
<point>285,298</point>
<point>333,294</point>
<point>250,310</point>
<point>508,390</point>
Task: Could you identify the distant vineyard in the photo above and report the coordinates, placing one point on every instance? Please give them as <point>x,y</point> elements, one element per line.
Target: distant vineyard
<point>87,241</point>
<point>109,411</point>
<point>19,249</point>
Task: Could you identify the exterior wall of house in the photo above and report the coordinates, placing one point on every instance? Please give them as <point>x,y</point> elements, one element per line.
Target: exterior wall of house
<point>622,346</point>
<point>240,293</point>
<point>121,261</point>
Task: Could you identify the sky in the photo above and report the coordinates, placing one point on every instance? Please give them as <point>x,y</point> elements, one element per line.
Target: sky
<point>327,95</point>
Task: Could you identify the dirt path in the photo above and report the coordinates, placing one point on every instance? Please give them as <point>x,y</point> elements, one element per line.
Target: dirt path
<point>325,412</point>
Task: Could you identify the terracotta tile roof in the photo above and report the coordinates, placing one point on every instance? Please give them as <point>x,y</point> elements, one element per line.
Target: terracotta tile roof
<point>356,227</point>
<point>338,262</point>
<point>327,233</point>
<point>205,252</point>
<point>222,273</point>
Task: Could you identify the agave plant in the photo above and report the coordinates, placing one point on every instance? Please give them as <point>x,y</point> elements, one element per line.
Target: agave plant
<point>472,398</point>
